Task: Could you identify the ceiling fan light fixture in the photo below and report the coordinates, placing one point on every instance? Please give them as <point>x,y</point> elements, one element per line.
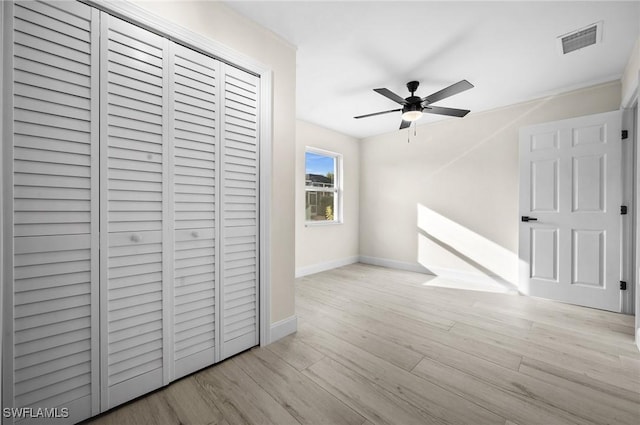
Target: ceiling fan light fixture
<point>413,110</point>
<point>411,115</point>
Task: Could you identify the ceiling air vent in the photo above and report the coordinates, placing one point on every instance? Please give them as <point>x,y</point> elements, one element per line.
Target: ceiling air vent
<point>581,38</point>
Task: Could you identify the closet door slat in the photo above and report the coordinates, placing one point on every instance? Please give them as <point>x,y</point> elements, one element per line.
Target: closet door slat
<point>239,211</point>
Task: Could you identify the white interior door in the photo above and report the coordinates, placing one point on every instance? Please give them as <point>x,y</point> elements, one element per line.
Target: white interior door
<point>570,190</point>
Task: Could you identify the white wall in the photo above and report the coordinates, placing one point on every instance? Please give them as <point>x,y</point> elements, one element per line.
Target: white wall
<point>630,76</point>
<point>448,200</point>
<point>322,247</point>
<point>218,22</point>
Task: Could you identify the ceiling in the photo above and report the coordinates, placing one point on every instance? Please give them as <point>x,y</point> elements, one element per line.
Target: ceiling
<point>508,50</point>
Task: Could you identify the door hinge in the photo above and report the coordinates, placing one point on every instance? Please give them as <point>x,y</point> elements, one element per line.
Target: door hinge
<point>625,134</point>
<point>623,210</point>
<point>623,285</point>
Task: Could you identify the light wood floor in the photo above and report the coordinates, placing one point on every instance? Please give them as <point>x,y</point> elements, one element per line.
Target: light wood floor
<point>377,346</point>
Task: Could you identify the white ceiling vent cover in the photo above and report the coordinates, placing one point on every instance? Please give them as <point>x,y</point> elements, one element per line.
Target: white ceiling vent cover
<point>575,40</point>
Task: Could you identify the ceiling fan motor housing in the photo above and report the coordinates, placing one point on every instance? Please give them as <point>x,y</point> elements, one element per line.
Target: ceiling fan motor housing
<point>413,86</point>
<point>413,104</point>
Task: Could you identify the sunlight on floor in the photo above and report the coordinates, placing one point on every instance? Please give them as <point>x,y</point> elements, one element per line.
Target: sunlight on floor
<point>485,286</point>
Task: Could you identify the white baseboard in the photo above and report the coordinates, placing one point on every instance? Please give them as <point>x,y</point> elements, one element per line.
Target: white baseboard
<point>317,268</point>
<point>394,264</point>
<point>283,327</point>
<point>638,338</point>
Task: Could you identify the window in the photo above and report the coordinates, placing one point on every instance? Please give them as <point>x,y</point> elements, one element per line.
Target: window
<point>323,186</point>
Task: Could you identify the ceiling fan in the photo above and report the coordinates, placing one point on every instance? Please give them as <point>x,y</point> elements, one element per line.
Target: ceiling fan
<point>413,106</point>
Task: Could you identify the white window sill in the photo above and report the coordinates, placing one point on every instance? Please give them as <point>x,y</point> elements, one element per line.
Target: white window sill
<point>321,223</point>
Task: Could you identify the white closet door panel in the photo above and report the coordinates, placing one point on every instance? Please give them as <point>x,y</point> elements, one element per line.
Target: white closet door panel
<point>133,146</point>
<point>194,110</point>
<point>239,269</point>
<point>55,218</point>
<point>71,13</point>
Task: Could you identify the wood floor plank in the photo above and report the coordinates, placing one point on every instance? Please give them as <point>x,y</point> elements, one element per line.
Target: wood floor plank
<point>582,400</point>
<point>239,398</point>
<point>631,362</point>
<point>304,400</point>
<point>576,346</point>
<point>424,395</point>
<point>371,401</point>
<point>150,410</point>
<point>405,333</point>
<point>564,355</point>
<point>190,406</point>
<point>608,342</point>
<point>493,398</point>
<point>521,307</point>
<point>388,350</point>
<point>293,351</point>
<point>425,308</point>
<point>385,300</point>
<point>578,400</point>
<point>557,375</point>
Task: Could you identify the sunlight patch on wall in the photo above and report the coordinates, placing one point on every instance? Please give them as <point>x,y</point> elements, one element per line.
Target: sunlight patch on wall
<point>456,253</point>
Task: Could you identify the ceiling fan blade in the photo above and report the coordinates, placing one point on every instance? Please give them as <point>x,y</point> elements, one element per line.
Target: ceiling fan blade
<point>391,95</point>
<point>404,124</point>
<point>456,88</point>
<point>445,111</point>
<point>377,113</point>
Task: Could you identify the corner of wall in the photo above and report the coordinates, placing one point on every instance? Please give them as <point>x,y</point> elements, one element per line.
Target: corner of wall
<point>283,327</point>
<point>629,78</point>
<point>328,265</point>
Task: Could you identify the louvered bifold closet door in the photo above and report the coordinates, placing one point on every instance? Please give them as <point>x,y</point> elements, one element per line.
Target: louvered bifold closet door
<point>239,214</point>
<point>134,190</point>
<point>194,101</point>
<point>51,123</point>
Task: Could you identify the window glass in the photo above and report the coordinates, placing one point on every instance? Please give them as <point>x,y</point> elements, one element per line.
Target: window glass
<point>322,186</point>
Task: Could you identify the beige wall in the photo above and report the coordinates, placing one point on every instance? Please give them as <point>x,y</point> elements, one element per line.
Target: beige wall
<point>448,200</point>
<point>630,76</point>
<point>321,247</point>
<point>219,22</point>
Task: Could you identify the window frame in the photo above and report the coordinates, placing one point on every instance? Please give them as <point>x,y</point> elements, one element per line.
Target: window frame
<point>337,189</point>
